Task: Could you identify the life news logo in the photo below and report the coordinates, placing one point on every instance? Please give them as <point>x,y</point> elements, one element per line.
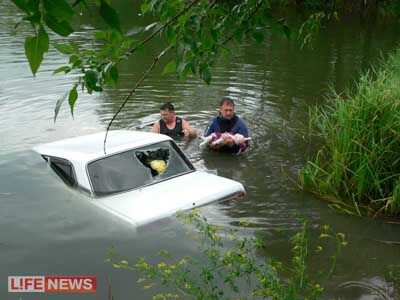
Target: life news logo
<point>51,284</point>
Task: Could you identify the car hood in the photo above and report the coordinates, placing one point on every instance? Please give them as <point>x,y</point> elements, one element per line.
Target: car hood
<point>165,198</point>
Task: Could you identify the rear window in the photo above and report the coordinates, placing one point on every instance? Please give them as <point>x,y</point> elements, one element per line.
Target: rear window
<point>138,167</point>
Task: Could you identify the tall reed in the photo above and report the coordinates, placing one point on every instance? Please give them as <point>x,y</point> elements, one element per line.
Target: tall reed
<point>359,163</point>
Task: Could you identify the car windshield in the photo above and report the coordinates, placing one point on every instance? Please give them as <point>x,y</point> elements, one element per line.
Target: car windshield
<point>138,167</point>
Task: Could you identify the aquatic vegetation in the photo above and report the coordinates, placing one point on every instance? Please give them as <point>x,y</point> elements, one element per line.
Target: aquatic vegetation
<point>393,274</point>
<point>358,166</point>
<point>236,271</point>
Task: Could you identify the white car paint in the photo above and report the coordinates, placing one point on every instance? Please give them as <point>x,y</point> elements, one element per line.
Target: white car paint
<point>148,203</point>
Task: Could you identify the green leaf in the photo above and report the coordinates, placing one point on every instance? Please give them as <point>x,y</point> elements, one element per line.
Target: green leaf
<point>75,61</point>
<point>258,36</point>
<point>27,6</point>
<point>150,6</point>
<point>171,35</point>
<point>64,69</point>
<point>282,27</point>
<point>33,18</point>
<point>287,31</point>
<point>239,35</point>
<point>109,15</point>
<point>78,1</point>
<point>115,37</point>
<point>73,58</point>
<point>170,67</point>
<point>89,52</point>
<point>74,46</point>
<point>208,41</point>
<point>73,96</point>
<point>65,49</point>
<point>183,70</point>
<point>62,28</point>
<point>59,10</point>
<point>101,35</point>
<point>182,66</point>
<point>144,7</point>
<point>192,66</point>
<point>205,74</point>
<point>91,79</point>
<point>35,47</point>
<point>114,73</point>
<point>58,105</point>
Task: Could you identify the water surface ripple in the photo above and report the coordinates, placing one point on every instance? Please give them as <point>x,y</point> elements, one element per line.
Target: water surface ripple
<point>46,228</point>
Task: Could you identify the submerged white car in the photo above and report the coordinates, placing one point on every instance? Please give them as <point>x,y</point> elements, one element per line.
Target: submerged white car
<point>142,177</point>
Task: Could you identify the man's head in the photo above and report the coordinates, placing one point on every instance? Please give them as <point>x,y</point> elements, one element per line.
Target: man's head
<point>167,112</point>
<point>227,108</point>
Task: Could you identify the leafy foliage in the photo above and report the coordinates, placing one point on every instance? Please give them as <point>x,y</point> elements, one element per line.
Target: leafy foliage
<point>109,15</point>
<point>233,273</point>
<point>358,165</point>
<point>312,26</point>
<point>393,273</point>
<point>197,32</point>
<point>199,35</point>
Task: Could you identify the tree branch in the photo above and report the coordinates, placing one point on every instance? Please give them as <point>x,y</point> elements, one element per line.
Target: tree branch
<point>258,6</point>
<point>146,73</point>
<point>130,52</point>
<point>183,11</point>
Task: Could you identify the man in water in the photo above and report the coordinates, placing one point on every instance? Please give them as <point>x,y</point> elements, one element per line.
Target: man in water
<point>228,122</point>
<point>172,125</point>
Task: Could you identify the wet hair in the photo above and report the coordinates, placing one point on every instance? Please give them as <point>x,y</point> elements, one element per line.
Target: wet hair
<point>226,100</point>
<point>167,106</point>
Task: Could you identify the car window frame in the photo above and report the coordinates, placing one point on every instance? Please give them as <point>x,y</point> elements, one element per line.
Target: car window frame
<point>49,159</point>
<point>174,145</point>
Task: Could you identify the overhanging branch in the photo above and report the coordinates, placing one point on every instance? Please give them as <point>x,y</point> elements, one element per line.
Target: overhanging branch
<point>146,73</point>
<point>183,11</point>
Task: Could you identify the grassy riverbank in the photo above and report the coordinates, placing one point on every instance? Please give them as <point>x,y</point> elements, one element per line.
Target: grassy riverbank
<point>358,167</point>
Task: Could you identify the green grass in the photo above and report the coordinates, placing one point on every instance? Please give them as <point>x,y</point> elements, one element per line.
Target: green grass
<point>358,166</point>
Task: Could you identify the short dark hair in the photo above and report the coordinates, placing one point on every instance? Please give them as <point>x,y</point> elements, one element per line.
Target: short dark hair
<point>167,106</point>
<point>226,100</point>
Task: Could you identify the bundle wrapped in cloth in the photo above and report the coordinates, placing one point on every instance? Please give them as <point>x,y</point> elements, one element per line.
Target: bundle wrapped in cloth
<point>155,160</point>
<point>217,138</point>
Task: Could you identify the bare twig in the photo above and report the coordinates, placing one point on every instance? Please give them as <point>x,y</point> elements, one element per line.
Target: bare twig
<point>146,73</point>
<point>388,242</point>
<point>110,296</point>
<point>392,222</point>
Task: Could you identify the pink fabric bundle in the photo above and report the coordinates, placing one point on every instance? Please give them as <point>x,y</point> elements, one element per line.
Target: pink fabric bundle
<point>217,138</point>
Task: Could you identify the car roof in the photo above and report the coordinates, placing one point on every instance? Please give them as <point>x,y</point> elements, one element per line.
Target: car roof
<point>89,147</point>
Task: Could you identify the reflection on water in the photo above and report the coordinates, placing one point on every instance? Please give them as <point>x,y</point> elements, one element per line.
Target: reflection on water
<point>376,287</point>
<point>48,229</point>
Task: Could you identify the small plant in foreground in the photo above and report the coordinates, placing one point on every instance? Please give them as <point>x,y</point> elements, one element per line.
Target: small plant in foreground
<point>233,272</point>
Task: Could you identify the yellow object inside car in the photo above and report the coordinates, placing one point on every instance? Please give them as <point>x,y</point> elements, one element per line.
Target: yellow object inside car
<point>158,165</point>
